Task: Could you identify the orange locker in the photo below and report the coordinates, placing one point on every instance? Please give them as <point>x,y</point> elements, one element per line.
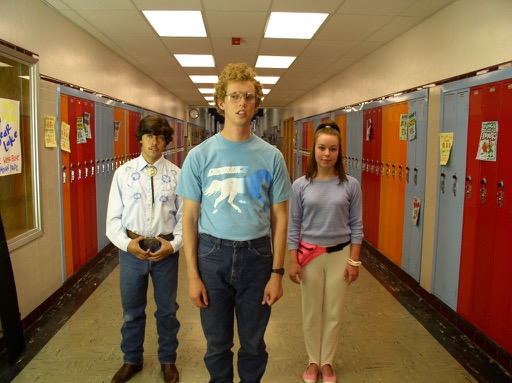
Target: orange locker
<point>66,193</point>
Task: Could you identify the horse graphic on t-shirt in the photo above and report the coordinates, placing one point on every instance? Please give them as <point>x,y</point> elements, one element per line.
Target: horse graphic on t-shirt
<point>230,187</point>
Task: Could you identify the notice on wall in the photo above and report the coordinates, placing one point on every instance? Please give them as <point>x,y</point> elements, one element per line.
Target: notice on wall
<point>445,143</point>
<point>487,147</point>
<point>368,129</point>
<point>10,139</point>
<point>416,206</point>
<point>81,138</point>
<point>87,125</point>
<point>404,120</point>
<point>64,137</point>
<point>49,132</point>
<point>411,125</point>
<point>117,128</point>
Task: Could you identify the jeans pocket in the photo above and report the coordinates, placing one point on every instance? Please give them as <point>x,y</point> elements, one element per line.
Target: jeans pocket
<point>262,249</point>
<point>205,247</point>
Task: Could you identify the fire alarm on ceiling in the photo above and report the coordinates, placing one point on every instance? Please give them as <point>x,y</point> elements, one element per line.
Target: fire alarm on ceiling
<point>235,40</point>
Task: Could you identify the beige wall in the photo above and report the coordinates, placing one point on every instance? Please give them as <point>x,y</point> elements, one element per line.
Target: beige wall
<point>466,36</point>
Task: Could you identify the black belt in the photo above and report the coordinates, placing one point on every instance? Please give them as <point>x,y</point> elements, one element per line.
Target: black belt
<point>338,247</point>
<point>231,243</point>
<point>150,241</point>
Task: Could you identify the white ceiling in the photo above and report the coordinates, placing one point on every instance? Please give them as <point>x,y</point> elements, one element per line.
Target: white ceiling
<point>353,30</point>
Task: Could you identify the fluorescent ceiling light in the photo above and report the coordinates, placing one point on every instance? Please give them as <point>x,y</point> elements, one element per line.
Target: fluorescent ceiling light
<point>274,61</point>
<point>292,25</point>
<point>201,79</point>
<point>266,91</point>
<point>209,98</point>
<point>177,23</point>
<point>196,61</point>
<point>269,80</point>
<point>207,90</point>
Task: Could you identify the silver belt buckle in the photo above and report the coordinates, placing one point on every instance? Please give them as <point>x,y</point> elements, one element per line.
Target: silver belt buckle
<point>151,241</point>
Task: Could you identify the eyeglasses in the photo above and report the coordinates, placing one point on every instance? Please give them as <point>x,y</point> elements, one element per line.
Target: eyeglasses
<point>237,96</point>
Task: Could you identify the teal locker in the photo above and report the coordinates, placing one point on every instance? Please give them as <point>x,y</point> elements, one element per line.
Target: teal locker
<point>450,204</point>
<point>104,149</point>
<point>414,187</point>
<point>355,143</point>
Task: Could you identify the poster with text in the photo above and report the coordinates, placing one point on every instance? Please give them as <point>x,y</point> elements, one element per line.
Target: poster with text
<point>10,138</point>
<point>64,137</point>
<point>49,132</point>
<point>445,143</point>
<point>488,141</point>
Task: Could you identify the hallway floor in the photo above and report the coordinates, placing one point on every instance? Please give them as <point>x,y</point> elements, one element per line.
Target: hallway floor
<point>384,337</point>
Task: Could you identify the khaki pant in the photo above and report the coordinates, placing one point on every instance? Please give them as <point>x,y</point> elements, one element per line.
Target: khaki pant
<point>323,299</point>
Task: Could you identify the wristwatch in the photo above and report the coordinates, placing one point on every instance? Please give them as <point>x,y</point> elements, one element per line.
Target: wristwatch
<point>278,271</point>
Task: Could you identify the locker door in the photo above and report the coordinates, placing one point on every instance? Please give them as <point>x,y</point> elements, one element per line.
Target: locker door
<point>341,121</point>
<point>372,138</point>
<point>416,159</point>
<point>450,206</point>
<point>298,150</point>
<point>387,197</point>
<point>486,217</point>
<point>470,214</point>
<point>89,181</point>
<point>67,225</point>
<point>104,116</point>
<point>304,148</point>
<point>132,143</point>
<point>355,142</point>
<point>500,326</point>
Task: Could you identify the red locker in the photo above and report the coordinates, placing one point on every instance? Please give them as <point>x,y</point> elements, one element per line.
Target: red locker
<point>371,179</point>
<point>500,311</point>
<point>468,255</point>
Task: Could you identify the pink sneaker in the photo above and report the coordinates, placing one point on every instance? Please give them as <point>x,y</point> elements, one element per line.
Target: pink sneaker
<point>309,377</point>
<point>328,378</point>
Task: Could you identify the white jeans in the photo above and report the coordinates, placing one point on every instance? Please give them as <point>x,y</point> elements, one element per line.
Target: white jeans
<point>323,299</point>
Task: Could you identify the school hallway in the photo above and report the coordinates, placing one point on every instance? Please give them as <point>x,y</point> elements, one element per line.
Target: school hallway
<point>389,334</point>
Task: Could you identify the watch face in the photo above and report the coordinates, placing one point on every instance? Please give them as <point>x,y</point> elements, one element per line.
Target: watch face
<point>193,113</point>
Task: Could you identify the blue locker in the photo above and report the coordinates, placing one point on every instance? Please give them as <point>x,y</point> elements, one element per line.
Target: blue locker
<point>104,150</point>
<point>450,202</point>
<point>355,143</point>
<point>414,187</point>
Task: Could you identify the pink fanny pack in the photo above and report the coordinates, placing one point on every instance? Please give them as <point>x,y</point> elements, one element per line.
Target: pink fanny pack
<point>307,252</point>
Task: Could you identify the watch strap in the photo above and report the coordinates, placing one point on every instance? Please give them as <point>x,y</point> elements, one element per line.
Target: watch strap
<point>278,271</point>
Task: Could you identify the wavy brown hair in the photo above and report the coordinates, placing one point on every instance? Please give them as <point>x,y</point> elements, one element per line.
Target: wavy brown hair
<point>330,128</point>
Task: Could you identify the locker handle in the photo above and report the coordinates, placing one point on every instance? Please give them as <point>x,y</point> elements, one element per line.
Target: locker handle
<point>483,181</point>
<point>500,184</point>
<point>443,175</point>
<point>468,179</point>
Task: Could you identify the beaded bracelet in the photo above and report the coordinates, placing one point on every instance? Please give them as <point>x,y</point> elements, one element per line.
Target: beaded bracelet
<point>351,262</point>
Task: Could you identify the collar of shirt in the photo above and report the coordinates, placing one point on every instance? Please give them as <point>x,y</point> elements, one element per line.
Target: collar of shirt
<point>142,163</point>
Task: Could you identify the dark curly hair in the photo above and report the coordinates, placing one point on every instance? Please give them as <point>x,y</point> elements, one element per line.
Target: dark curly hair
<point>157,125</point>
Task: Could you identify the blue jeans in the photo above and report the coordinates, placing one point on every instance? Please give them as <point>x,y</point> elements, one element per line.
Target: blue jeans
<point>134,285</point>
<point>235,275</point>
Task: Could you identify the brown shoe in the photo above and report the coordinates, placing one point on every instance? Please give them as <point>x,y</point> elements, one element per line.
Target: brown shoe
<point>125,373</point>
<point>171,374</point>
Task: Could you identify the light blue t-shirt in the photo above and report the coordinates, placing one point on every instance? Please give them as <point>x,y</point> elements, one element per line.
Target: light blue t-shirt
<point>236,183</point>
